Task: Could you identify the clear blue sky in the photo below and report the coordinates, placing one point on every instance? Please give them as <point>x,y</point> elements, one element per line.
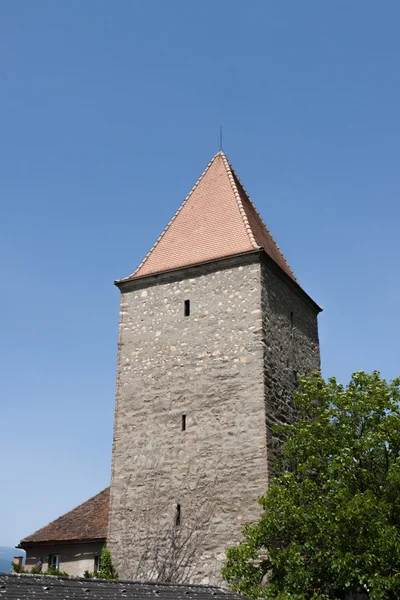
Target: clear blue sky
<point>109,111</point>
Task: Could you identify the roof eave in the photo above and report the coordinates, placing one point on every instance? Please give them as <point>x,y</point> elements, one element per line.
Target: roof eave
<point>30,543</point>
<point>290,281</point>
<point>123,284</point>
<point>120,282</point>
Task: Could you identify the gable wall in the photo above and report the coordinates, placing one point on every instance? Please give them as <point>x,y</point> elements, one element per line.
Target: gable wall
<point>74,558</point>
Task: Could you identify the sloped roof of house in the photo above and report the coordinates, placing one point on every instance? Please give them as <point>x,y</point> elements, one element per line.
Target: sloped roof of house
<point>216,220</point>
<point>30,587</point>
<point>88,521</point>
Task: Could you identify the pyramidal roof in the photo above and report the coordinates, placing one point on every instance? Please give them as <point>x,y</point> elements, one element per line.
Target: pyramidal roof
<point>216,220</point>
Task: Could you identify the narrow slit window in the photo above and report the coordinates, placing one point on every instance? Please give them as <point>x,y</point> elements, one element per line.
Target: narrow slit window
<point>178,515</point>
<point>291,321</point>
<point>183,422</point>
<point>187,308</point>
<point>295,379</point>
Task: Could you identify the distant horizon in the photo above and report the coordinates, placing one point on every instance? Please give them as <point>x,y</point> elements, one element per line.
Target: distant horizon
<point>7,553</point>
<point>18,550</point>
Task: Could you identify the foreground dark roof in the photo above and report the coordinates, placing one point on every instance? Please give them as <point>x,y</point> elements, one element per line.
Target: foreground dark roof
<point>28,587</point>
<point>88,521</point>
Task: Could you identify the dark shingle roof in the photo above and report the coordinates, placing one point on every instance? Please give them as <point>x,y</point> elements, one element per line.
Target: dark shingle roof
<point>88,521</point>
<point>29,587</point>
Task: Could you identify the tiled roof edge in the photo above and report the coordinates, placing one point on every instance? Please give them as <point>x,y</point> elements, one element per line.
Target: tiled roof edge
<point>242,212</point>
<point>260,217</point>
<point>169,224</point>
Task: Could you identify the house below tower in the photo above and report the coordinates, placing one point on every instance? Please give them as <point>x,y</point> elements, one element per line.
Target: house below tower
<point>73,542</point>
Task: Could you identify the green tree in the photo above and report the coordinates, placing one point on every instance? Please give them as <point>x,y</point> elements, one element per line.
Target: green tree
<point>330,522</point>
<point>107,570</point>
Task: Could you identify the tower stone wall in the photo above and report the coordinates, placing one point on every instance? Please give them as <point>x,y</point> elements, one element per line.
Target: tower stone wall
<point>291,349</point>
<point>197,397</point>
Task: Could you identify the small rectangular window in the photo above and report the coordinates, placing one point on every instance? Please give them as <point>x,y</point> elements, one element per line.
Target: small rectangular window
<point>291,320</point>
<point>295,379</point>
<point>178,515</point>
<point>183,422</point>
<point>187,308</point>
<point>54,561</point>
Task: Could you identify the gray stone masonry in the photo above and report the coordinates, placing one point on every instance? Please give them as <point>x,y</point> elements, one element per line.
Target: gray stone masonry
<point>291,349</point>
<point>227,369</point>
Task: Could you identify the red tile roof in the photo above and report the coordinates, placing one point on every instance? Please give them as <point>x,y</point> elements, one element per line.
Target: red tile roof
<point>88,521</point>
<point>216,220</point>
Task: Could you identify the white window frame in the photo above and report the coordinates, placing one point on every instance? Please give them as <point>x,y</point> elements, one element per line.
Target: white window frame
<point>55,561</point>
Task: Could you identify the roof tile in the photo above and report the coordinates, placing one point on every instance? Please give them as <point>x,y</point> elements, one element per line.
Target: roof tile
<point>216,220</point>
<point>88,521</point>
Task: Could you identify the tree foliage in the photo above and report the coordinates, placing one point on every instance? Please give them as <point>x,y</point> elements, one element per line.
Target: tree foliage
<point>330,522</point>
<point>16,567</point>
<point>107,570</point>
<point>50,571</point>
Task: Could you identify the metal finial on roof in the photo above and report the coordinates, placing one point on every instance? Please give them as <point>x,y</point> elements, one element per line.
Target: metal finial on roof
<point>220,138</point>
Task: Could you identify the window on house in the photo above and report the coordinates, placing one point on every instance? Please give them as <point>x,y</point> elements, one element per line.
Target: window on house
<point>54,561</point>
<point>187,308</point>
<point>178,515</point>
<point>183,422</point>
<point>97,563</point>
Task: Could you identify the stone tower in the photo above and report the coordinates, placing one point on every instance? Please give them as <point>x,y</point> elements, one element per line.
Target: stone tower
<point>214,331</point>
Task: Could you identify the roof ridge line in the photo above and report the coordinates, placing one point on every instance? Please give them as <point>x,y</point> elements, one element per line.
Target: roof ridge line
<point>158,240</point>
<point>259,216</point>
<point>242,212</point>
